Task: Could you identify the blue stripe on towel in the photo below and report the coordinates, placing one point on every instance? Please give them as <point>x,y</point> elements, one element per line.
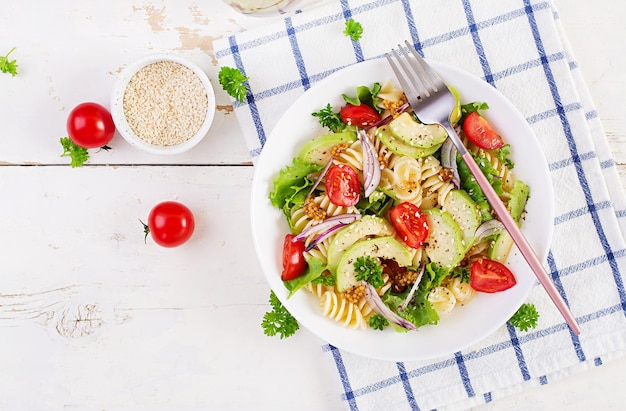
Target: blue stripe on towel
<point>478,43</point>
<point>408,391</point>
<point>521,361</point>
<point>254,110</point>
<point>343,375</point>
<point>293,41</point>
<point>410,21</point>
<point>574,152</point>
<point>465,378</point>
<point>347,15</point>
<point>556,279</point>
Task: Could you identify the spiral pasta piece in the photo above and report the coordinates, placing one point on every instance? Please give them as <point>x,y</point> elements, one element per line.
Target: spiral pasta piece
<point>338,308</point>
<point>407,173</point>
<point>442,300</point>
<point>462,291</point>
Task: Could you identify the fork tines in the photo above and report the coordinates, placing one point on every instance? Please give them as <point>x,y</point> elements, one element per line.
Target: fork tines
<point>413,73</point>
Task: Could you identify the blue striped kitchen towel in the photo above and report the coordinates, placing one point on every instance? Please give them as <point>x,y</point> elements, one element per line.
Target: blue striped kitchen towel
<point>517,46</point>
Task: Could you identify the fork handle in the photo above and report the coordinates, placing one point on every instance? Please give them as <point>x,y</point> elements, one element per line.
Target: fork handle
<point>511,226</point>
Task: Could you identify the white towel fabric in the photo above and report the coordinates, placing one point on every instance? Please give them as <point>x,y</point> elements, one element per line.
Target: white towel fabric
<point>518,46</point>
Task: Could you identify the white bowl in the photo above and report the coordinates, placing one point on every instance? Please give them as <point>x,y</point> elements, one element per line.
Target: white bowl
<point>122,124</point>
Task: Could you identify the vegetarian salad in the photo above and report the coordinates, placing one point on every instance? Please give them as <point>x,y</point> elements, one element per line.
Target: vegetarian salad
<point>388,227</point>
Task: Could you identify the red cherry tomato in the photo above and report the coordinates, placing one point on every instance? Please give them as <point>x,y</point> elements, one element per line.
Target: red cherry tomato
<point>410,223</point>
<point>342,185</point>
<point>489,276</point>
<point>479,131</point>
<point>294,263</point>
<point>362,115</point>
<point>89,125</point>
<point>170,224</point>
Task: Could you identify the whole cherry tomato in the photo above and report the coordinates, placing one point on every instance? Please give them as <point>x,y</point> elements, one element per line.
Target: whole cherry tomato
<point>361,115</point>
<point>170,224</point>
<point>294,263</point>
<point>342,185</point>
<point>489,276</point>
<point>479,131</point>
<point>410,223</point>
<point>90,125</point>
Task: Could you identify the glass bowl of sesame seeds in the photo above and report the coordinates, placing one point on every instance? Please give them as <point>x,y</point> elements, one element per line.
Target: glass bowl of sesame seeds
<point>163,104</point>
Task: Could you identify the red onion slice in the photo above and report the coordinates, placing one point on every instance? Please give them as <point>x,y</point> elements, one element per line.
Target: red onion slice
<point>371,165</point>
<point>341,219</point>
<point>323,236</point>
<point>321,176</point>
<point>487,229</point>
<point>413,289</point>
<point>377,304</point>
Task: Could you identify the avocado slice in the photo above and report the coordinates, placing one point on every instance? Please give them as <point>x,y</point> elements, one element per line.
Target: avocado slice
<point>401,148</point>
<point>366,227</point>
<point>501,247</point>
<point>464,211</point>
<point>444,244</point>
<point>318,150</point>
<point>381,247</point>
<point>519,197</point>
<point>416,134</point>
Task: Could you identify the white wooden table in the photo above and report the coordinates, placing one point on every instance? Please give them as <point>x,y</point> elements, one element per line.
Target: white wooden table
<point>91,317</point>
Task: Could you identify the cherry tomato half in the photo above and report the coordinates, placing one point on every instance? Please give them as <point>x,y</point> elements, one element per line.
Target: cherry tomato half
<point>342,185</point>
<point>361,115</point>
<point>170,224</point>
<point>410,223</point>
<point>479,131</point>
<point>294,263</point>
<point>489,276</point>
<point>89,125</point>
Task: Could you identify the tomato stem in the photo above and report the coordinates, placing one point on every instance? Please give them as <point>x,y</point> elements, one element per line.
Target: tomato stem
<point>146,231</point>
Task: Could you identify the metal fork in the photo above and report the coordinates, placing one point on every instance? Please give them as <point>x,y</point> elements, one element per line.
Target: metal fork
<point>433,103</point>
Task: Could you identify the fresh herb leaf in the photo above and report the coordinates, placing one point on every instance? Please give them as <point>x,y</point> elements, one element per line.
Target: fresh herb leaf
<point>420,311</point>
<point>503,154</point>
<point>233,81</point>
<point>377,204</point>
<point>78,154</point>
<point>489,171</point>
<point>462,273</point>
<point>469,184</point>
<point>292,185</point>
<point>369,269</point>
<point>366,95</point>
<point>473,106</point>
<point>330,119</point>
<point>326,280</point>
<point>8,66</point>
<point>378,322</point>
<point>279,320</point>
<point>525,318</point>
<point>353,29</point>
<point>315,268</point>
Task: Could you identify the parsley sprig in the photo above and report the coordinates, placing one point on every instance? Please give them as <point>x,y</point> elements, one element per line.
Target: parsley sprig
<point>8,66</point>
<point>378,322</point>
<point>78,154</point>
<point>279,320</point>
<point>353,29</point>
<point>525,318</point>
<point>233,82</point>
<point>330,119</point>
<point>369,269</point>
